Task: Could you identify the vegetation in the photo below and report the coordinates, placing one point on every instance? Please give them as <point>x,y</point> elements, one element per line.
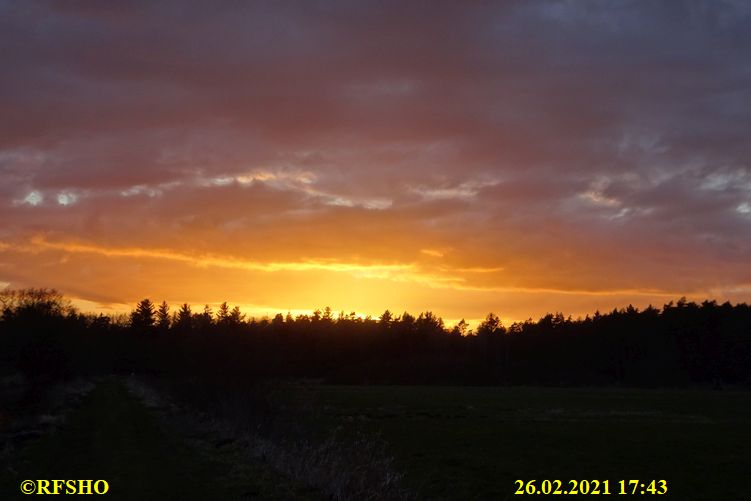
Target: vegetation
<point>112,436</point>
<point>257,387</point>
<point>473,442</point>
<point>680,344</point>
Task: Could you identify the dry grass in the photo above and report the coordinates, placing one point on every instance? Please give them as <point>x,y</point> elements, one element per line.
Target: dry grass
<point>28,411</point>
<point>268,426</point>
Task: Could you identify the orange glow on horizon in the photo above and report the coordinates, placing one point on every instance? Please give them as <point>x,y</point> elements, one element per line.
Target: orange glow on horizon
<point>302,286</point>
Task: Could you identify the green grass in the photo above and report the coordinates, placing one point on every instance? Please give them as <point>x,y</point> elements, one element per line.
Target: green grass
<point>450,442</point>
<point>472,443</point>
<point>112,436</point>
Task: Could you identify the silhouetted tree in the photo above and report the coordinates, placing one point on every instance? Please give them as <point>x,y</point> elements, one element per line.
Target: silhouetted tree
<point>34,326</point>
<point>327,316</point>
<point>236,317</point>
<point>204,320</point>
<point>34,302</point>
<point>491,325</point>
<point>142,318</point>
<point>183,321</point>
<point>385,319</point>
<point>163,317</point>
<point>42,336</point>
<point>460,329</point>
<point>222,314</point>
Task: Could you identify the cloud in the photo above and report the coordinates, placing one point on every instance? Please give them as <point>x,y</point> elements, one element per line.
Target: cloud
<point>203,260</point>
<point>608,152</point>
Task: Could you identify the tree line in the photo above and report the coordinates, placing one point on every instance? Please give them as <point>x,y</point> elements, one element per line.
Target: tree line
<point>681,343</point>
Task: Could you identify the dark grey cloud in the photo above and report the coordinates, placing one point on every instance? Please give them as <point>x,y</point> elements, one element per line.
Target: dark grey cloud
<point>608,130</point>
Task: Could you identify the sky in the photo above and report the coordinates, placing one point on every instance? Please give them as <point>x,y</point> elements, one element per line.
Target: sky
<point>459,157</point>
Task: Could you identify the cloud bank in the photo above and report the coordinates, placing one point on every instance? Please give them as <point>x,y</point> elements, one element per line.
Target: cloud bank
<point>514,156</point>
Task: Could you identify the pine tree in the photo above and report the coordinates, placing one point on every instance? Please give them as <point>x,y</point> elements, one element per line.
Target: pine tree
<point>163,317</point>
<point>222,315</point>
<point>236,317</point>
<point>184,319</point>
<point>142,318</point>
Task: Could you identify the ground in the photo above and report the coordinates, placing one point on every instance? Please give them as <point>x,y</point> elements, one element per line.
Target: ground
<point>449,442</point>
<point>113,436</point>
<point>473,443</point>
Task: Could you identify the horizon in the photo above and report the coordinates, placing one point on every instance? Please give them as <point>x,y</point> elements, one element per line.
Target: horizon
<point>260,312</point>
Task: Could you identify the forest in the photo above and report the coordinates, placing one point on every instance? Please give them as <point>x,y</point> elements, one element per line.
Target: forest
<point>680,344</point>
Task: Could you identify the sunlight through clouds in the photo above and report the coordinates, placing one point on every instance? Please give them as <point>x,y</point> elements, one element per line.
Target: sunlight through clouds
<point>597,157</point>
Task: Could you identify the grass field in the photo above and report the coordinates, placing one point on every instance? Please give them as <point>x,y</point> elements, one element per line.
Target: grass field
<point>464,443</point>
<point>114,437</point>
<point>472,443</point>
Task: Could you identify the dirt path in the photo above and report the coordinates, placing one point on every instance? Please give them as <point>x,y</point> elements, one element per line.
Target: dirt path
<point>113,437</point>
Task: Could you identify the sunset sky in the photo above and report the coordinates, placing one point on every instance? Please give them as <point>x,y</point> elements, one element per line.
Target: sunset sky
<point>460,157</point>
